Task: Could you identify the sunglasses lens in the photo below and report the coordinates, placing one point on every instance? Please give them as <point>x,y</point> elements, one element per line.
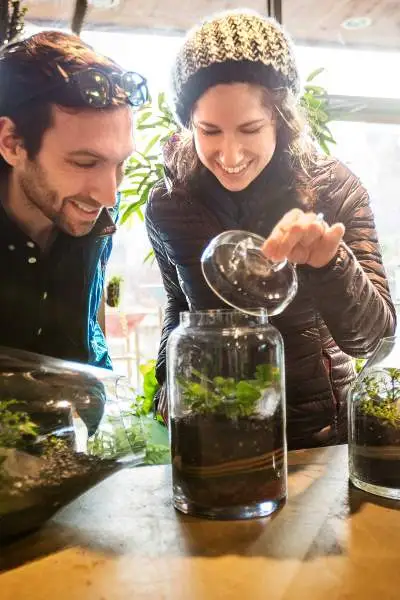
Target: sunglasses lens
<point>136,88</point>
<point>95,88</point>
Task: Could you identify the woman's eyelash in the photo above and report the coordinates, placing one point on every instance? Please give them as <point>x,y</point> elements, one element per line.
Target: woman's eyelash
<point>252,130</point>
<point>246,132</point>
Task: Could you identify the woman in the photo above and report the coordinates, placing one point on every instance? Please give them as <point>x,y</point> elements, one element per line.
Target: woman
<point>244,161</point>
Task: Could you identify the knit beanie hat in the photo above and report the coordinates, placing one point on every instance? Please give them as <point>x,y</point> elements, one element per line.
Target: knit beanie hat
<point>236,46</point>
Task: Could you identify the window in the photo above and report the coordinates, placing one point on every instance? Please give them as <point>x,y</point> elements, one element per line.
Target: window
<point>372,152</point>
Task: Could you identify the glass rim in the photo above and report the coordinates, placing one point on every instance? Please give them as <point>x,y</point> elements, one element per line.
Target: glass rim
<point>214,311</point>
<point>224,317</point>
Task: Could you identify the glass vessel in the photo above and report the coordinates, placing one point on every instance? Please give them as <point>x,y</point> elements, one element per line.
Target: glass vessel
<point>374,423</point>
<point>225,375</point>
<point>63,428</point>
<point>237,271</point>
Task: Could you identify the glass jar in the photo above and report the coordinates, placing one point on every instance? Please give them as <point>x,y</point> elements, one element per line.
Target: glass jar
<point>374,423</point>
<point>63,428</point>
<point>225,376</point>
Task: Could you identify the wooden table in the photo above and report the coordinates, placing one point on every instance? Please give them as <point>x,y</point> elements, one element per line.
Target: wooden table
<point>123,541</point>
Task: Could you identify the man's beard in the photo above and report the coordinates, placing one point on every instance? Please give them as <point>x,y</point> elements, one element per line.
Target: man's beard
<point>33,184</point>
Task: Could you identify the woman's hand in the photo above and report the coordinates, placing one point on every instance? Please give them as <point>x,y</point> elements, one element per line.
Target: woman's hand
<point>304,239</point>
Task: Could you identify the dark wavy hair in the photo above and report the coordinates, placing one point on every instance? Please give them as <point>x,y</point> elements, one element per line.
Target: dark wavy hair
<point>28,72</point>
<point>294,145</point>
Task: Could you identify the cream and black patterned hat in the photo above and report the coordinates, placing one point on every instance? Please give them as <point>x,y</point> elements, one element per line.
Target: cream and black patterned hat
<point>236,46</point>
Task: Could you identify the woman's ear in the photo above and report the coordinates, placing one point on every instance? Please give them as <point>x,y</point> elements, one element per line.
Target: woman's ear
<point>11,147</point>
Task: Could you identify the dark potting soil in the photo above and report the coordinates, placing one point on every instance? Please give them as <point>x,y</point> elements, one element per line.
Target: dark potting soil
<point>26,502</point>
<point>376,453</point>
<point>218,461</point>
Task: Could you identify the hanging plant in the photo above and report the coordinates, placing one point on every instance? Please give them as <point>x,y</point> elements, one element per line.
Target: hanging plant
<point>113,295</point>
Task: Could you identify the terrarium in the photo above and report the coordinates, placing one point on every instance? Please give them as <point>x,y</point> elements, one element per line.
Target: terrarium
<point>226,386</point>
<point>374,423</point>
<point>227,415</point>
<point>63,428</point>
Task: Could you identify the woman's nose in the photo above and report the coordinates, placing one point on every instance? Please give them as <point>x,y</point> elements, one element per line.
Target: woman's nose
<point>230,153</point>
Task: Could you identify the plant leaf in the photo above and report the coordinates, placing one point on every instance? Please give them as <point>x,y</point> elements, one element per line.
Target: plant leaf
<point>315,74</point>
<point>149,256</point>
<point>131,209</point>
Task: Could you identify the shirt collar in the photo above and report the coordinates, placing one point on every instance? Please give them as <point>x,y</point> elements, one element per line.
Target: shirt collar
<point>104,225</point>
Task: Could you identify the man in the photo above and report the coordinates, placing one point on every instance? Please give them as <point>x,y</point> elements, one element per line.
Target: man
<point>65,133</point>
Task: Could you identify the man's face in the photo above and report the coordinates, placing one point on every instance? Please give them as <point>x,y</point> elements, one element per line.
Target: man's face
<point>79,166</point>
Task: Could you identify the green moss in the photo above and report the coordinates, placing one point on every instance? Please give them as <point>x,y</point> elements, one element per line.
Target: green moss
<point>15,426</point>
<point>385,411</point>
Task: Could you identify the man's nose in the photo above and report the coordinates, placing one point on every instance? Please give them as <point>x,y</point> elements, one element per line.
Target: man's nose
<point>105,190</point>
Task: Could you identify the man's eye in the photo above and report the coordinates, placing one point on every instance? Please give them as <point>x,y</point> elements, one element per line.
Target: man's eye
<point>85,165</point>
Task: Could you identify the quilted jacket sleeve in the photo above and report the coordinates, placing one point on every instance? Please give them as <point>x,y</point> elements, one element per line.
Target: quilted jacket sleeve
<point>352,292</point>
<point>176,300</point>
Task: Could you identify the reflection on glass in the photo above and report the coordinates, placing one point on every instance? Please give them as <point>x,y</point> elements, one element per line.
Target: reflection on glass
<point>238,272</point>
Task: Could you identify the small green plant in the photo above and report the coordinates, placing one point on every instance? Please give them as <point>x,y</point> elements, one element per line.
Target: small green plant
<point>314,102</point>
<point>116,442</point>
<point>143,404</point>
<point>113,296</point>
<point>157,454</point>
<point>359,364</point>
<point>15,426</point>
<point>141,432</point>
<point>224,395</point>
<point>319,111</point>
<point>381,398</point>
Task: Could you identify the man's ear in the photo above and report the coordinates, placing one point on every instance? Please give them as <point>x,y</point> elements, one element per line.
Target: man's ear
<point>11,146</point>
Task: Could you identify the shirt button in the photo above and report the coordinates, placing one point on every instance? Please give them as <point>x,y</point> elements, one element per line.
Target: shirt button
<point>32,260</point>
<point>30,244</point>
<point>44,295</point>
<point>11,247</point>
<point>39,331</point>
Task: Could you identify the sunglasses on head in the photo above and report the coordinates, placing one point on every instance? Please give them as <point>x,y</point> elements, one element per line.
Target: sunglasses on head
<point>99,89</point>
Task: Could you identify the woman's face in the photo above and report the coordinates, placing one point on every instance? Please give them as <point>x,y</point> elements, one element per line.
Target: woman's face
<point>234,133</point>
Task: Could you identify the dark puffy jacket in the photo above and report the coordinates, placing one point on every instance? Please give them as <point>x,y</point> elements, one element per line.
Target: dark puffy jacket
<point>340,311</point>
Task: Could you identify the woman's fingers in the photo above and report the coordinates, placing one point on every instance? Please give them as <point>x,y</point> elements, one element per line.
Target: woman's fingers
<point>303,238</point>
<point>296,227</point>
